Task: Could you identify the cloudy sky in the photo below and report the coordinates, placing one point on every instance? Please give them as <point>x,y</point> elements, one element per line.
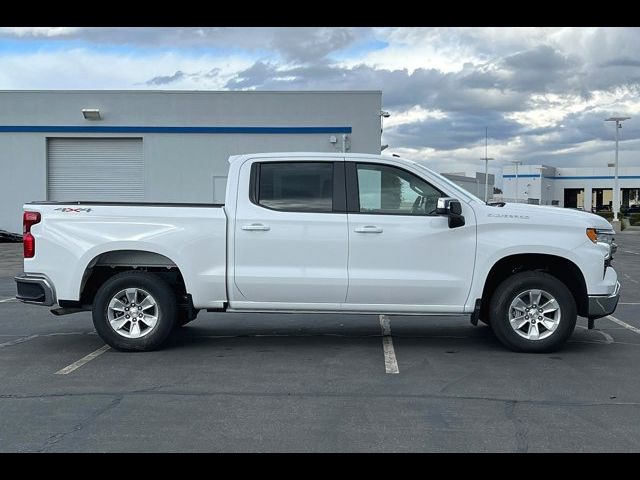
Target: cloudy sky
<point>542,92</point>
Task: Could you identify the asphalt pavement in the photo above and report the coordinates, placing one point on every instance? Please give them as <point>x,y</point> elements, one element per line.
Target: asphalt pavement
<point>307,383</point>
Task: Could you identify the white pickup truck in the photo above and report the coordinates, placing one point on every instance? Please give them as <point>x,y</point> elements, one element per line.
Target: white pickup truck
<point>315,232</point>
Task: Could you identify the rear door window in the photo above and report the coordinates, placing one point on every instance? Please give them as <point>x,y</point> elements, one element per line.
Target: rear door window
<point>296,186</point>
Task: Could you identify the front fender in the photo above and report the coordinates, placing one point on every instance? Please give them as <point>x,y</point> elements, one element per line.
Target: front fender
<point>589,263</point>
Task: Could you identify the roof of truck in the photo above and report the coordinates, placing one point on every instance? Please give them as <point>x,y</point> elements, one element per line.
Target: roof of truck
<point>234,158</point>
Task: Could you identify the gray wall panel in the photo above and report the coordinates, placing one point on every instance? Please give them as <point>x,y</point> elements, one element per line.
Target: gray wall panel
<point>178,167</point>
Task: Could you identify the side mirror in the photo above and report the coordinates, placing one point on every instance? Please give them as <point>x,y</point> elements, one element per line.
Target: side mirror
<point>452,208</point>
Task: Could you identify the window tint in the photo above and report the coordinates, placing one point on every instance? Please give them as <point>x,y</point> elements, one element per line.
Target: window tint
<point>297,186</point>
<point>384,189</point>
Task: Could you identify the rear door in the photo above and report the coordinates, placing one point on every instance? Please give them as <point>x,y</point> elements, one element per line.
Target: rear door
<point>291,238</point>
<point>402,256</point>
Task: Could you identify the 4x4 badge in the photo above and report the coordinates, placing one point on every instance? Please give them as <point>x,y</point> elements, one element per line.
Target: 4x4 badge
<point>73,210</point>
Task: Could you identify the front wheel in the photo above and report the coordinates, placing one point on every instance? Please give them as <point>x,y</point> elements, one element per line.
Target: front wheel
<point>134,311</point>
<point>533,312</point>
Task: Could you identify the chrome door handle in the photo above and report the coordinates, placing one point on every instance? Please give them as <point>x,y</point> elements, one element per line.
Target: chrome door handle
<point>368,229</point>
<point>256,227</point>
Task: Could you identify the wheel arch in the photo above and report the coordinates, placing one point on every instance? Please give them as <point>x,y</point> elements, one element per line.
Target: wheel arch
<point>106,264</point>
<point>560,267</point>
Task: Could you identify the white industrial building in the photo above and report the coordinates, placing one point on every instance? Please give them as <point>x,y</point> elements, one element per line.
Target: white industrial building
<point>162,146</point>
<point>474,182</point>
<point>588,188</point>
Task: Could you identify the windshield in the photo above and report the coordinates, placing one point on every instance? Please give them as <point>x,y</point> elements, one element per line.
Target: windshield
<point>463,193</point>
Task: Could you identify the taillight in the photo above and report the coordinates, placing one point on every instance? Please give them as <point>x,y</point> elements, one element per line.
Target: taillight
<point>28,240</point>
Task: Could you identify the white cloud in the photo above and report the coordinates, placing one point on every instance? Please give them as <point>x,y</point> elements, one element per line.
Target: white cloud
<point>449,49</point>
<point>39,31</point>
<point>549,110</point>
<point>87,69</point>
<point>412,115</point>
<point>552,109</point>
<point>411,49</point>
<point>543,92</point>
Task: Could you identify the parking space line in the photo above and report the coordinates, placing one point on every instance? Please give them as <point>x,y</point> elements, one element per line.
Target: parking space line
<point>11,299</point>
<point>608,339</point>
<point>390,362</point>
<point>623,324</point>
<point>54,334</point>
<point>628,303</point>
<point>18,340</point>
<point>77,364</point>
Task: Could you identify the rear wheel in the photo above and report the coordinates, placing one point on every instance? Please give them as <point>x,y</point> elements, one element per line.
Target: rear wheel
<point>134,311</point>
<point>532,312</point>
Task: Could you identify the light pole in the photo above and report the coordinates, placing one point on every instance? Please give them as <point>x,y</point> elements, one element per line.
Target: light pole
<point>616,192</point>
<point>486,166</point>
<point>516,162</point>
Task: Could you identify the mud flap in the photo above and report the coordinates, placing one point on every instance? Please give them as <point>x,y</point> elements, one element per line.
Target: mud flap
<point>476,312</point>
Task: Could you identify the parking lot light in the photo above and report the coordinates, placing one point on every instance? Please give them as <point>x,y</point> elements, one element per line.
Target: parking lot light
<point>616,193</point>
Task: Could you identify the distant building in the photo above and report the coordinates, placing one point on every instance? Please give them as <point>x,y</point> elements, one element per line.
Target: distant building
<point>474,184</point>
<point>588,188</point>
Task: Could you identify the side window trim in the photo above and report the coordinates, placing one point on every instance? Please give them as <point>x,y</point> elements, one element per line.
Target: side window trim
<point>353,189</point>
<point>254,184</point>
<point>351,178</point>
<point>339,187</point>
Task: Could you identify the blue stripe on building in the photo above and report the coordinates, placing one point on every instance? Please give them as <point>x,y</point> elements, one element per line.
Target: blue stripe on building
<point>528,175</point>
<point>593,177</point>
<point>142,129</point>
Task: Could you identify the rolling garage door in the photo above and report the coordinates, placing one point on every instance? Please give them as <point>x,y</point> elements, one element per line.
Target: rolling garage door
<point>100,169</point>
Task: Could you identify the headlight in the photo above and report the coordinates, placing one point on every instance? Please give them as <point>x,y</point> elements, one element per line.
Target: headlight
<point>604,236</point>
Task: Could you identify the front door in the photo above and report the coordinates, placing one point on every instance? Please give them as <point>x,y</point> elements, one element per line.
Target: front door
<point>291,238</point>
<point>402,256</point>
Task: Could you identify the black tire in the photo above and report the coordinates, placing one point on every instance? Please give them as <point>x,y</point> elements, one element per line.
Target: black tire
<point>514,285</point>
<point>165,300</point>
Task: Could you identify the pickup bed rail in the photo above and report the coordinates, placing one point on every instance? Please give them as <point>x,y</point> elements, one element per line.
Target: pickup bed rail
<point>130,204</point>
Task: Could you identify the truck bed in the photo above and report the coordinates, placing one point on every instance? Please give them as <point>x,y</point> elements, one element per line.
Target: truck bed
<point>72,237</point>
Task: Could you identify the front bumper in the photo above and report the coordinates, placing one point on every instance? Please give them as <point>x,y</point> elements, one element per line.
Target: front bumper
<point>36,289</point>
<point>603,305</point>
